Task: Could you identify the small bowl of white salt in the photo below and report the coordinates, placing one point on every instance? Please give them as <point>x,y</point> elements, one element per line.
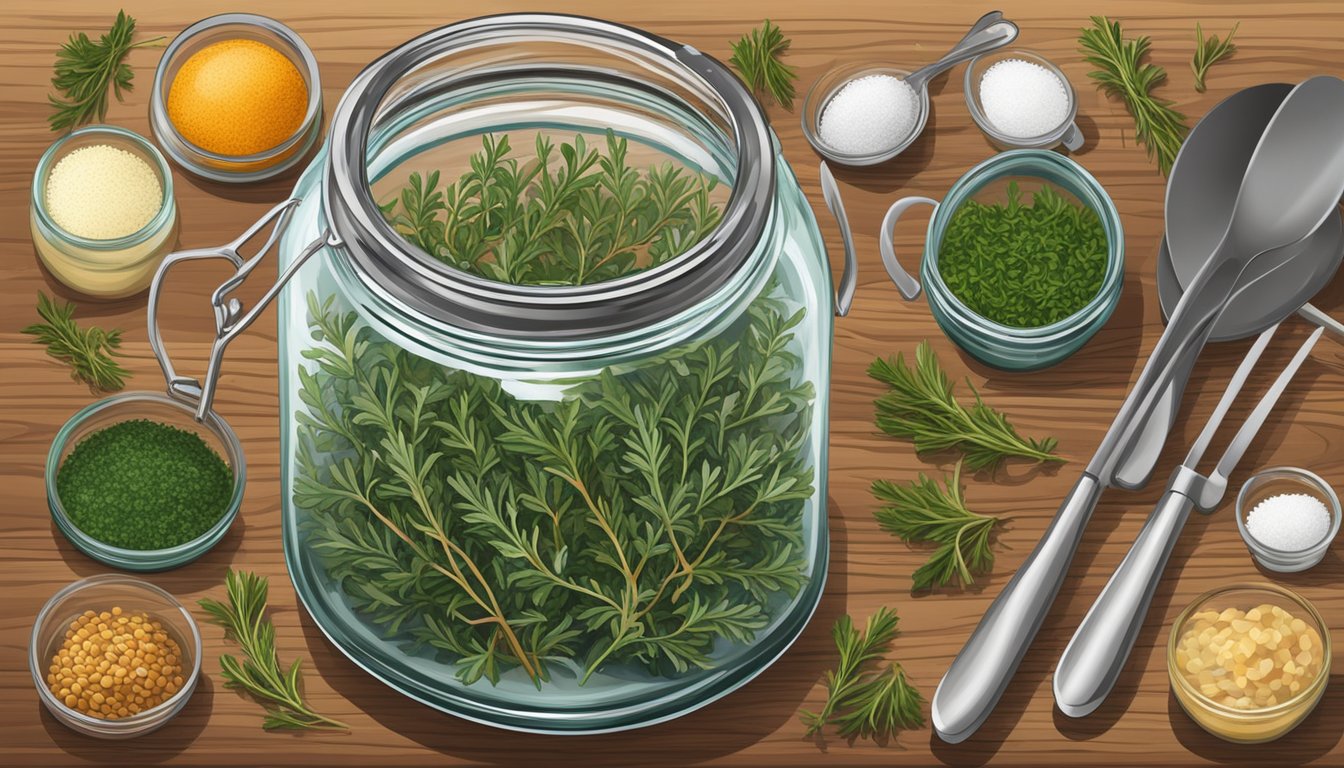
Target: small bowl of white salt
<point>863,115</point>
<point>1022,101</point>
<point>1288,517</point>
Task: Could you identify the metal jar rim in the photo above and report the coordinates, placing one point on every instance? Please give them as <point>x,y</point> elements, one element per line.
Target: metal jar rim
<point>390,264</point>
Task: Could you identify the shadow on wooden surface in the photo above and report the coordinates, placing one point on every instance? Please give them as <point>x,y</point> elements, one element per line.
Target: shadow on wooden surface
<point>162,745</point>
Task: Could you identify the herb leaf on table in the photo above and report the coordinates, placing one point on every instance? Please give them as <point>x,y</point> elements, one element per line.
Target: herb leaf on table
<point>861,700</point>
<point>920,406</point>
<point>88,351</point>
<point>1209,51</point>
<point>84,70</point>
<point>259,672</point>
<point>922,512</point>
<point>756,56</point>
<point>1123,73</point>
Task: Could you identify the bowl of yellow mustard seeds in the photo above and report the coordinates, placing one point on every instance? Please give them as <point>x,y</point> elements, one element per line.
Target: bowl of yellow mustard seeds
<point>114,656</point>
<point>237,98</point>
<point>1249,662</point>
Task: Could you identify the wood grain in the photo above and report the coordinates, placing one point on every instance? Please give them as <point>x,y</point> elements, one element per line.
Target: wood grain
<point>1283,41</point>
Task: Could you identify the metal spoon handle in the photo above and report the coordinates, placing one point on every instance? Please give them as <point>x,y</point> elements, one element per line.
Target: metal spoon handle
<point>1096,655</point>
<point>981,672</point>
<point>990,33</point>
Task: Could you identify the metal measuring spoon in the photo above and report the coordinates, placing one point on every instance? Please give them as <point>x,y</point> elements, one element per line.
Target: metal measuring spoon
<point>989,33</point>
<point>1201,192</point>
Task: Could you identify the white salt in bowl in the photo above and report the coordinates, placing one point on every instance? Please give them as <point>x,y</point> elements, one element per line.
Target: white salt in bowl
<point>826,87</point>
<point>1276,481</point>
<point>1064,131</point>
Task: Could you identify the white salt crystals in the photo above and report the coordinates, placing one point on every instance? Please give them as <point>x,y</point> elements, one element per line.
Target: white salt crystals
<point>1289,522</point>
<point>869,115</point>
<point>1022,99</point>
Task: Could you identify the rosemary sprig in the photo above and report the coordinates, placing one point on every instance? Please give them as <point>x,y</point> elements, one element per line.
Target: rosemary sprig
<point>88,351</point>
<point>862,701</point>
<point>923,512</point>
<point>1159,127</point>
<point>85,68</point>
<point>920,406</point>
<point>1209,51</point>
<point>756,56</point>
<point>259,673</point>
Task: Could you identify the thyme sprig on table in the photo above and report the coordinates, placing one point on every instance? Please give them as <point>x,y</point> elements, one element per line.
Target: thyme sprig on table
<point>84,70</point>
<point>570,215</point>
<point>90,352</point>
<point>259,672</point>
<point>1123,73</point>
<point>921,512</point>
<point>642,520</point>
<point>1209,51</point>
<point>920,406</point>
<point>861,700</point>
<point>757,56</point>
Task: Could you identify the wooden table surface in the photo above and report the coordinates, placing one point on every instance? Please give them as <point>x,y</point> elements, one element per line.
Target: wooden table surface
<point>1280,41</point>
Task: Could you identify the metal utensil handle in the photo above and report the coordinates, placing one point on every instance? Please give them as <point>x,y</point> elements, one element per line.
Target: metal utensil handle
<point>981,672</point>
<point>905,283</point>
<point>230,320</point>
<point>849,279</point>
<point>987,34</point>
<point>1096,655</point>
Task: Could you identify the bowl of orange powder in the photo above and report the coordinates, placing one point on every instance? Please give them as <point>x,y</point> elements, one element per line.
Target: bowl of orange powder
<point>237,98</point>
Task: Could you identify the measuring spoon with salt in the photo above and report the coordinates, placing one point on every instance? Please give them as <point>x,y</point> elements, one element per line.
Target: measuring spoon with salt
<point>989,33</point>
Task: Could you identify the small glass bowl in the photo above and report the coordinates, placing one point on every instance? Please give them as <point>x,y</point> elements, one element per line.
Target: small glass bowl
<point>103,269</point>
<point>1008,347</point>
<point>820,94</point>
<point>238,169</point>
<point>1066,133</point>
<point>1272,482</point>
<point>158,407</point>
<point>1251,726</point>
<point>100,593</point>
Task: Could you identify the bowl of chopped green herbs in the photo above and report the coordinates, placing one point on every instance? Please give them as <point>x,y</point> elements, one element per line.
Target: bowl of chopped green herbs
<point>134,481</point>
<point>1023,259</point>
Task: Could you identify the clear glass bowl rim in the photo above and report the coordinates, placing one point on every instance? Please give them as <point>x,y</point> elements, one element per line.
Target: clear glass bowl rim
<point>37,664</point>
<point>1306,477</point>
<point>155,559</point>
<point>1312,615</point>
<point>971,81</point>
<point>1027,162</point>
<point>115,135</point>
<point>817,97</point>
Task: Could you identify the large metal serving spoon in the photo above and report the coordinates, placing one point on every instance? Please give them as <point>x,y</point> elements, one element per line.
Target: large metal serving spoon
<point>1201,192</point>
<point>1292,184</point>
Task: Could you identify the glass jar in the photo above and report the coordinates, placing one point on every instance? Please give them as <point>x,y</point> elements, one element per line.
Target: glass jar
<point>552,505</point>
<point>1004,346</point>
<point>112,268</point>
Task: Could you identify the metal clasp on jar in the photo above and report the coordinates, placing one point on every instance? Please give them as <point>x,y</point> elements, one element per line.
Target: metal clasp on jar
<point>230,318</point>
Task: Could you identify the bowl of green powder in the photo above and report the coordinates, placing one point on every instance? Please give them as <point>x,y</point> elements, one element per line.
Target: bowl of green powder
<point>1023,259</point>
<point>134,481</point>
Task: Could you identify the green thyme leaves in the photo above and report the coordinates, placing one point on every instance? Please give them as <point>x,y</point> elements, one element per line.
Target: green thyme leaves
<point>1122,72</point>
<point>90,352</point>
<point>85,69</point>
<point>757,57</point>
<point>1209,51</point>
<point>569,215</point>
<point>921,512</point>
<point>920,406</point>
<point>641,521</point>
<point>1021,265</point>
<point>865,699</point>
